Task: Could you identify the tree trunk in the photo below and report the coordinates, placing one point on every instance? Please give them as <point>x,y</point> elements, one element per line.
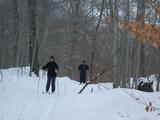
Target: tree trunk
<point>94,40</point>
<point>115,36</point>
<point>139,54</point>
<point>33,42</point>
<point>75,8</point>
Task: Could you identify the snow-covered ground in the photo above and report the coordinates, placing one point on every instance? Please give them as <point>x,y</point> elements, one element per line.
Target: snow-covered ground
<point>22,99</point>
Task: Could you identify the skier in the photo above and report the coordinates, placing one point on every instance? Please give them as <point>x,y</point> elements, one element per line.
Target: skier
<point>82,68</point>
<point>52,68</point>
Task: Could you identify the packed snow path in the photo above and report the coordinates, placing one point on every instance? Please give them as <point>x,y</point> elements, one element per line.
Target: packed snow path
<point>20,99</point>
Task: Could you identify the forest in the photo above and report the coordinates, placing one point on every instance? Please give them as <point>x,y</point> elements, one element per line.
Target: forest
<point>123,35</point>
<point>79,59</point>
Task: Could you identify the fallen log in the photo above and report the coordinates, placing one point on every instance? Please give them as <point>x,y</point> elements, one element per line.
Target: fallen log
<point>96,77</point>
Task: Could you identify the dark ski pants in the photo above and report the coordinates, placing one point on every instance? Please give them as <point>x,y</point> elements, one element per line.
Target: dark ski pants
<point>51,80</point>
<point>82,78</point>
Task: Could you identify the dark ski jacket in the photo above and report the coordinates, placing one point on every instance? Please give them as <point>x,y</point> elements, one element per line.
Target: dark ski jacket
<point>51,67</point>
<point>82,68</point>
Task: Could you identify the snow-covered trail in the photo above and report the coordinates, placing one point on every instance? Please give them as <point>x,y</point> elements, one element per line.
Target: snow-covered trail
<point>113,104</point>
<point>20,100</point>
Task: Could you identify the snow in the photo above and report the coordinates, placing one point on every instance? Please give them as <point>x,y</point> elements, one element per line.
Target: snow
<point>20,99</point>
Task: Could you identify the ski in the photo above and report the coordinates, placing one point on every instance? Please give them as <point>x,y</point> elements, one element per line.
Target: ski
<point>43,92</point>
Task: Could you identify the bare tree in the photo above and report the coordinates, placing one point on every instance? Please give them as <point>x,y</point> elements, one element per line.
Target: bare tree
<point>94,40</point>
<point>33,42</point>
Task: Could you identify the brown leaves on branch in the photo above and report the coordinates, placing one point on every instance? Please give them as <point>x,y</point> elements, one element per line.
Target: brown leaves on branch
<point>145,32</point>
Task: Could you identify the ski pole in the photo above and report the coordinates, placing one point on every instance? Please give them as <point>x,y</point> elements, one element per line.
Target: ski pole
<point>38,84</point>
<point>58,86</point>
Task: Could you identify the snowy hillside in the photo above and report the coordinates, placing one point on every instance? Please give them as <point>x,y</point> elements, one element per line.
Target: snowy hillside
<point>22,99</point>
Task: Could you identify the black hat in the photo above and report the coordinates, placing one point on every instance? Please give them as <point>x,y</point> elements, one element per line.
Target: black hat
<point>51,57</point>
<point>84,61</point>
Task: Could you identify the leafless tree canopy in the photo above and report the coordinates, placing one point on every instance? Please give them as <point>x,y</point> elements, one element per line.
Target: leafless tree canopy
<point>76,30</point>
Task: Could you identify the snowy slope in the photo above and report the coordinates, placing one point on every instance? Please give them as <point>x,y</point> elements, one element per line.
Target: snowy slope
<point>20,99</point>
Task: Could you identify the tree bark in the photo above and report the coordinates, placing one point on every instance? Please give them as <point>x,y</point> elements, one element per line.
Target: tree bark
<point>115,36</point>
<point>33,42</point>
<point>94,39</point>
<point>75,16</point>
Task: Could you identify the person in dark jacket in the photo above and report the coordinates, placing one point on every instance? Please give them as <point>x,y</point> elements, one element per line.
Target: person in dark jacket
<point>52,68</point>
<point>83,68</point>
